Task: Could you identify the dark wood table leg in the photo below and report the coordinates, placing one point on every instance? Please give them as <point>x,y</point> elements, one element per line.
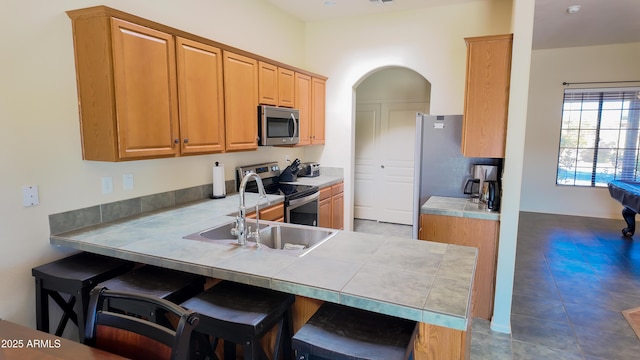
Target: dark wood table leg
<point>630,218</point>
<point>42,307</point>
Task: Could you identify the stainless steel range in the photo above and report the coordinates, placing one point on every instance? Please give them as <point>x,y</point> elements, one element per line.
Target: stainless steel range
<point>300,201</point>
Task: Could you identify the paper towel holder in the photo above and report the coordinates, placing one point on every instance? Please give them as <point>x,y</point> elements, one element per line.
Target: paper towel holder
<point>218,177</point>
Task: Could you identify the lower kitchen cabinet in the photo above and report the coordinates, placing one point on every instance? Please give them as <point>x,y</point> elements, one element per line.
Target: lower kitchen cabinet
<point>331,207</point>
<point>324,207</point>
<point>271,213</point>
<point>478,233</point>
<point>337,206</point>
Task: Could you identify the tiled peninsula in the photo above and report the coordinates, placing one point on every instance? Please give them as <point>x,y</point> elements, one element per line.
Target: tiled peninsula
<point>458,207</point>
<point>460,221</point>
<point>424,281</point>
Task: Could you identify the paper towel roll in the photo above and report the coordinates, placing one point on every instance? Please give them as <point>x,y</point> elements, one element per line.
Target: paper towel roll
<point>219,189</point>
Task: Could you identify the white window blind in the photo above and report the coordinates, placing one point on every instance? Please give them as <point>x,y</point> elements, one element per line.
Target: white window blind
<point>599,136</point>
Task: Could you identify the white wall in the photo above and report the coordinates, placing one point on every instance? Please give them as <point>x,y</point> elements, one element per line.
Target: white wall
<point>428,41</point>
<point>393,85</point>
<point>549,69</point>
<point>40,131</point>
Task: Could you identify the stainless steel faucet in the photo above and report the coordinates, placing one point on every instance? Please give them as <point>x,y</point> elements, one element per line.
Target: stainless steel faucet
<point>240,230</point>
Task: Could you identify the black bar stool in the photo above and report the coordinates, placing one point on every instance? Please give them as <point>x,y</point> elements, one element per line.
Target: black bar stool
<point>74,275</point>
<point>339,332</point>
<point>172,285</point>
<point>242,314</point>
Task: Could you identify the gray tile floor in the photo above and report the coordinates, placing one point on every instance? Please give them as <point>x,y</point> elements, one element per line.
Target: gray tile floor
<point>573,277</point>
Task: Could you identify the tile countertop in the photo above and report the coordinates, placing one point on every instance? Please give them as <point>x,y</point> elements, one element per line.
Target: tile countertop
<point>319,181</point>
<point>460,207</point>
<point>418,280</point>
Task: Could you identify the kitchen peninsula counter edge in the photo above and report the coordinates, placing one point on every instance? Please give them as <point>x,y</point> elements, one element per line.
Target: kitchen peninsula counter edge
<point>422,281</point>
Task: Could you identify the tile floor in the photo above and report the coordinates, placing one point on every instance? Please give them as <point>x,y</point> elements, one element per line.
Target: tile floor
<point>573,277</point>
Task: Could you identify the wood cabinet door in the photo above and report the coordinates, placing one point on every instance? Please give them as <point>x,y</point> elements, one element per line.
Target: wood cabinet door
<point>286,87</point>
<point>486,96</point>
<point>271,213</point>
<point>145,91</point>
<point>324,213</point>
<point>201,97</point>
<point>241,101</point>
<point>267,83</point>
<point>337,211</point>
<point>303,104</point>
<point>478,233</point>
<point>324,207</point>
<point>318,89</point>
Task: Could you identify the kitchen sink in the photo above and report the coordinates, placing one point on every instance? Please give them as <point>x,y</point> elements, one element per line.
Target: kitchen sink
<point>290,239</point>
<point>296,240</point>
<point>223,232</point>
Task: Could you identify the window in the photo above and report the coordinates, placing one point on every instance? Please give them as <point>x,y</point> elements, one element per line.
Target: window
<point>599,136</point>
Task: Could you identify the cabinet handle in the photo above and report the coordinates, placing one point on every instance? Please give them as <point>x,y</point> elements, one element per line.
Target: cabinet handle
<point>176,141</point>
<point>186,141</point>
<point>382,166</point>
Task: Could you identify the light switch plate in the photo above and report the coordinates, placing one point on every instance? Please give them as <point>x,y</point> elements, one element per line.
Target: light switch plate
<point>30,195</point>
<point>127,182</point>
<point>107,185</point>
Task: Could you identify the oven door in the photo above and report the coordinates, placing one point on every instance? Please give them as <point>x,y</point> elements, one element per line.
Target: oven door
<point>303,211</point>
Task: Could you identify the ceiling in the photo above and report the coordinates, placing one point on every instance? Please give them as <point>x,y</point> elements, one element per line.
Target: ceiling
<point>598,22</point>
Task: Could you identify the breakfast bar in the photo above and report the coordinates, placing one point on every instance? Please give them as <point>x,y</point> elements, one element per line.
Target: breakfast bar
<point>422,281</point>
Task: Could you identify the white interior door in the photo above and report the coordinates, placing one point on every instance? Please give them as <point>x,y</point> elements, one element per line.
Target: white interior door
<point>366,164</point>
<point>385,142</point>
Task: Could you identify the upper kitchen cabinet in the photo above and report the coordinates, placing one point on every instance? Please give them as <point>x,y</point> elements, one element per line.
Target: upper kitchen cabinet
<point>303,104</point>
<point>276,85</point>
<point>267,83</point>
<point>286,87</point>
<point>144,93</point>
<point>486,96</point>
<point>318,90</point>
<point>310,100</point>
<point>147,90</point>
<point>241,101</point>
<point>126,80</point>
<point>200,90</point>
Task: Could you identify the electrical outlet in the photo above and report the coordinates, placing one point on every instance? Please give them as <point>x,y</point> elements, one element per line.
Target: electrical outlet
<point>107,185</point>
<point>127,182</point>
<point>30,195</point>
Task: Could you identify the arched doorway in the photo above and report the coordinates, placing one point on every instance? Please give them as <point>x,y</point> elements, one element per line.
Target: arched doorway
<point>387,101</point>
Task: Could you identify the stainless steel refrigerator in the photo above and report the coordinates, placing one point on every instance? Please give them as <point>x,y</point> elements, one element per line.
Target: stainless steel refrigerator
<point>440,168</point>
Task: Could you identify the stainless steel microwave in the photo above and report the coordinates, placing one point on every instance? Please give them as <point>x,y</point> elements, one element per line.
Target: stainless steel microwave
<point>278,125</point>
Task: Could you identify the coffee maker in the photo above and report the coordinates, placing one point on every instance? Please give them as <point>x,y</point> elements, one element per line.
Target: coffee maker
<point>483,186</point>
